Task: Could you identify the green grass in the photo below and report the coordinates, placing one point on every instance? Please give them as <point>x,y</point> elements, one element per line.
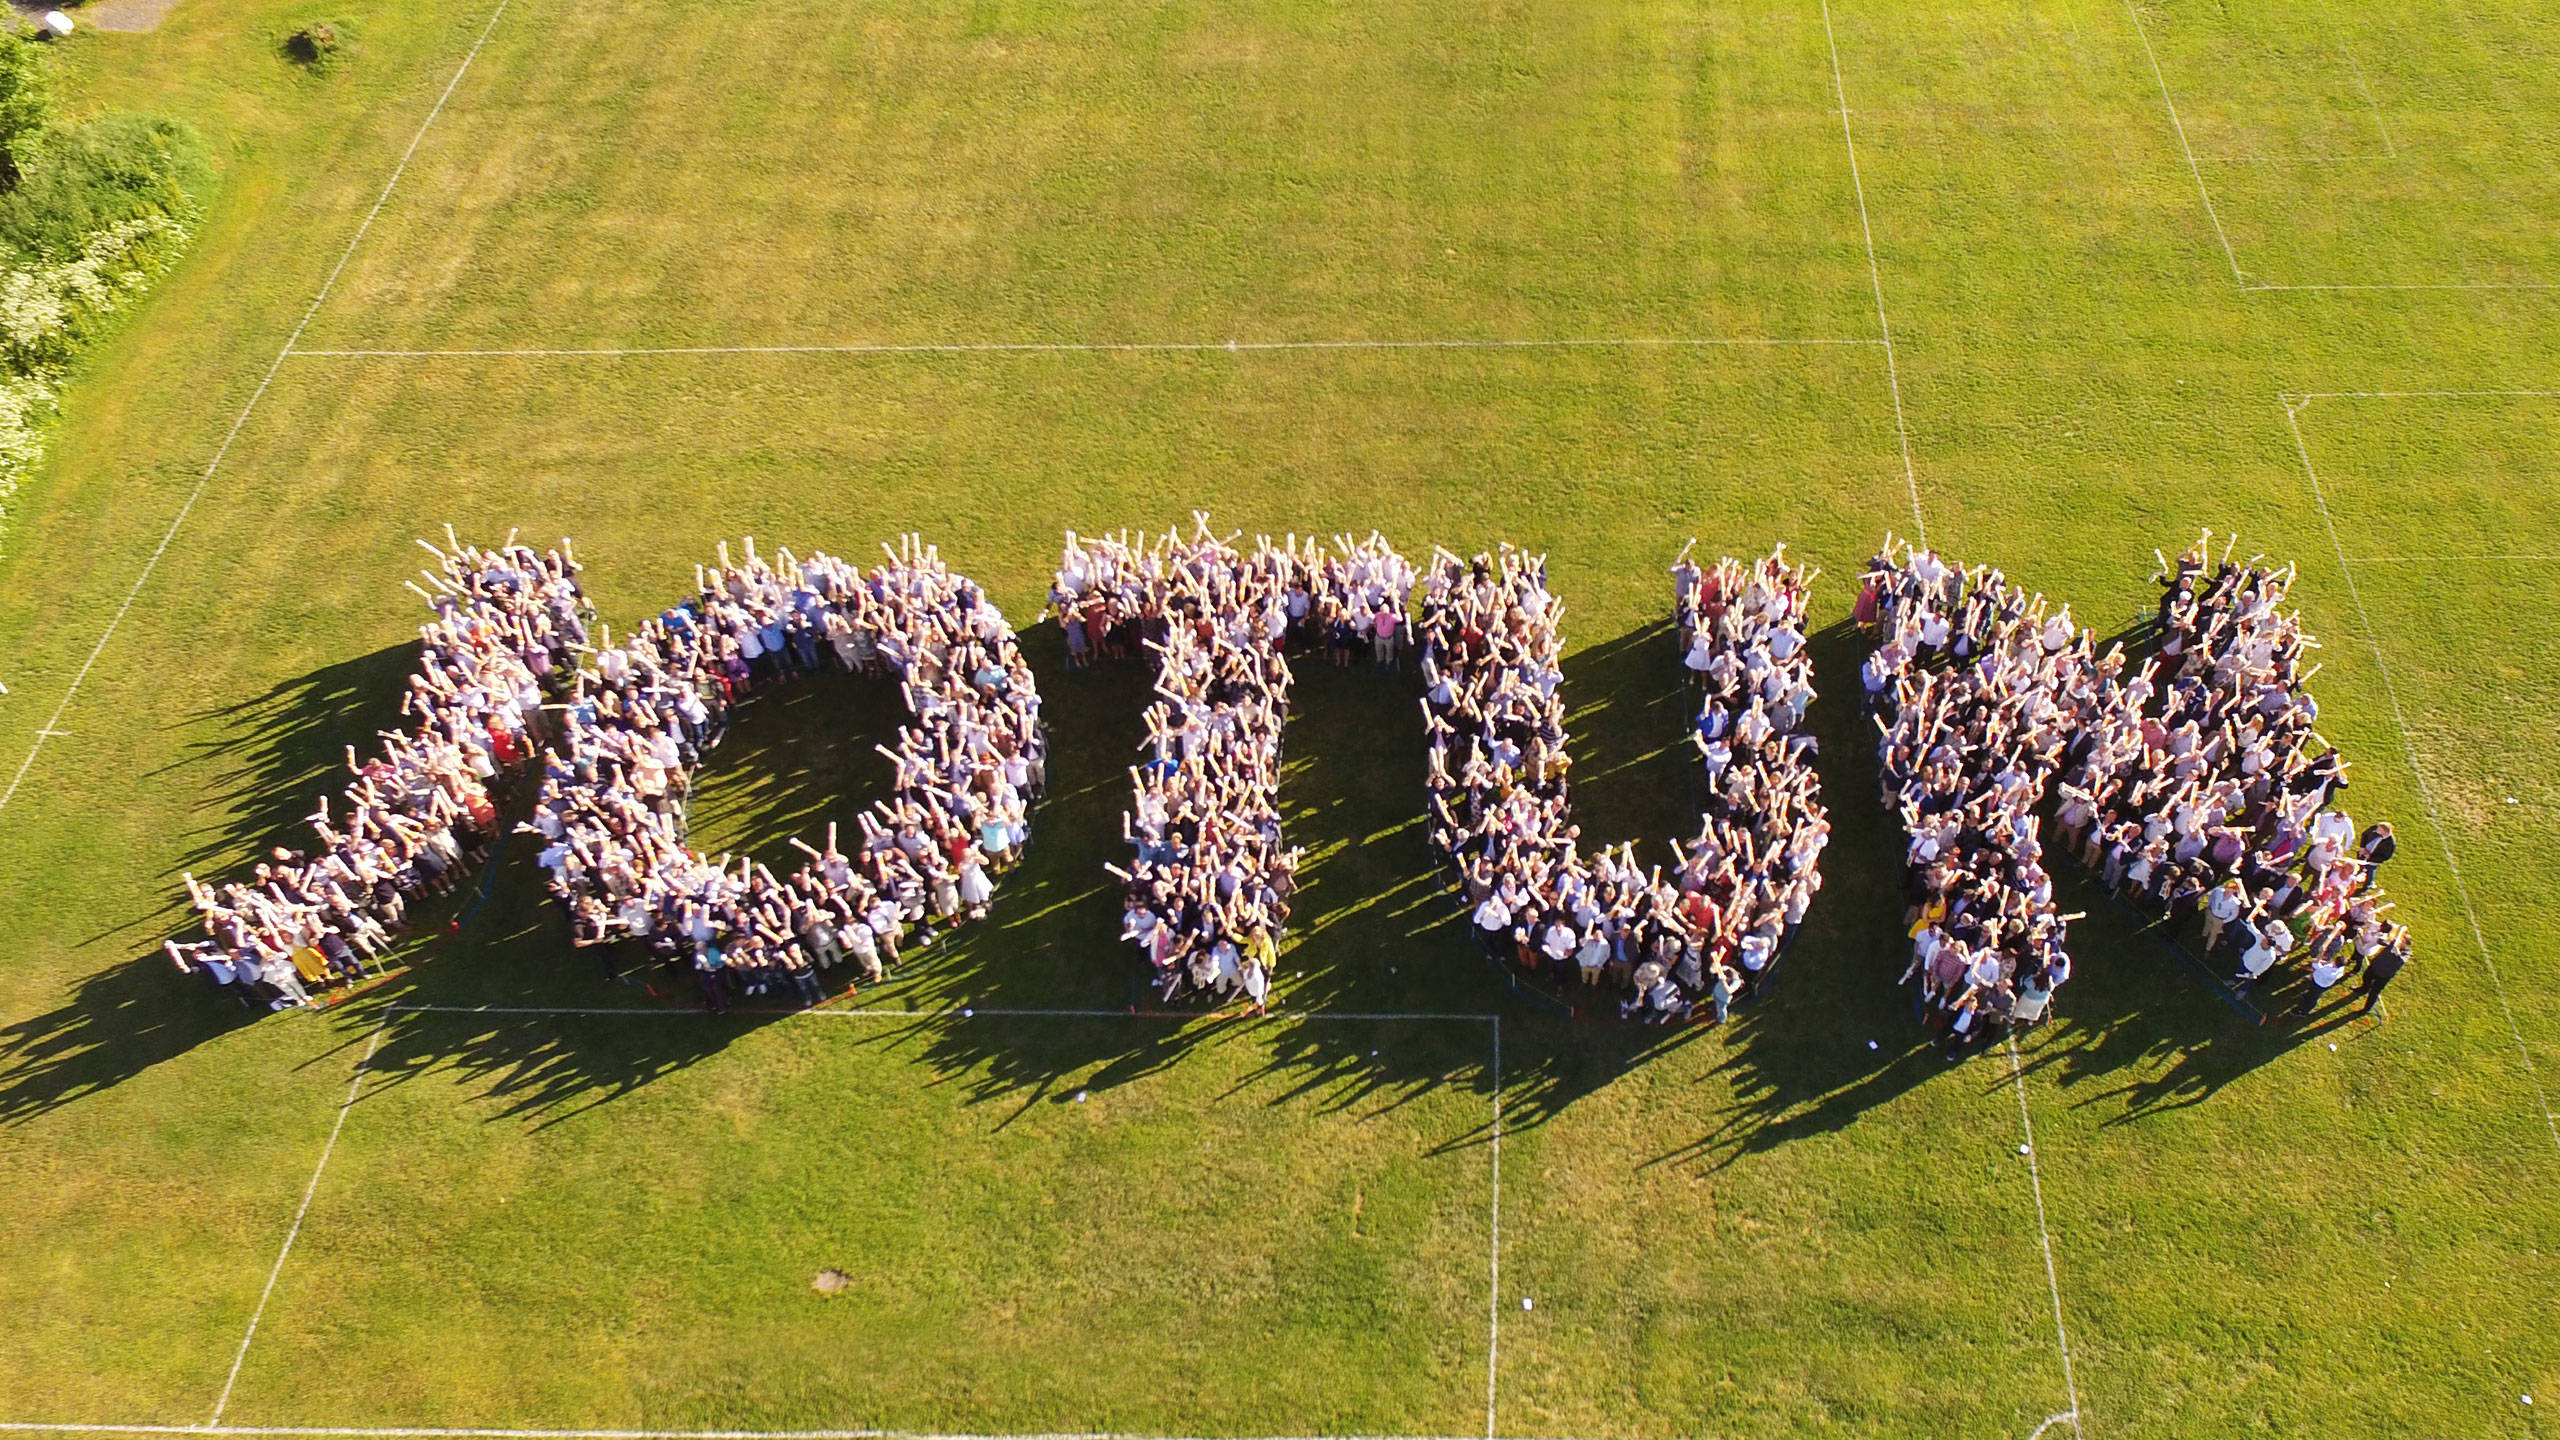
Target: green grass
<point>99,173</point>
<point>553,1221</point>
<point>1117,1253</point>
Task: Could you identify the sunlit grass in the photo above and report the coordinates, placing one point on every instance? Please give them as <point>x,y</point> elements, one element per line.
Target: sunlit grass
<point>1770,1230</point>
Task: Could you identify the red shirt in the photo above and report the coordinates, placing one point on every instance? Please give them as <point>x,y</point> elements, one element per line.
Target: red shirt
<point>1699,911</point>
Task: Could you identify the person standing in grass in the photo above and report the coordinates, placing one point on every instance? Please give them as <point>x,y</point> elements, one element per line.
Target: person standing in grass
<point>2384,967</point>
<point>1723,985</point>
<point>2326,972</point>
<point>2221,909</point>
<point>2257,956</point>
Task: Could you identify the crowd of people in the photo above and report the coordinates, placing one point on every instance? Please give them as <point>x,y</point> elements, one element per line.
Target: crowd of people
<point>509,623</point>
<point>1979,692</point>
<point>1207,893</point>
<point>969,763</point>
<point>1490,639</point>
<point>2203,791</point>
<point>1756,857</point>
<point>2193,783</point>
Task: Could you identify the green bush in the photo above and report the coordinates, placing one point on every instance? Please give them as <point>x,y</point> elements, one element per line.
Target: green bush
<point>90,214</point>
<point>26,95</point>
<point>97,173</point>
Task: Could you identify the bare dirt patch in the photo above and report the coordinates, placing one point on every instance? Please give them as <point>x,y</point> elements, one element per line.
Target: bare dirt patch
<point>128,16</point>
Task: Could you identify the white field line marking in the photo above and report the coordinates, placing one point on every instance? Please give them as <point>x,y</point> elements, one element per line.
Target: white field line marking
<point>1493,1303</point>
<point>1071,347</point>
<point>2447,285</point>
<point>2426,792</point>
<point>2296,159</point>
<point>354,1086</point>
<point>954,1012</point>
<point>242,418</point>
<point>426,1432</point>
<point>1875,278</point>
<point>2309,395</point>
<point>2044,1234</point>
<point>2449,559</point>
<point>2389,150</point>
<point>2052,1420</point>
<point>2240,277</point>
<point>2188,150</point>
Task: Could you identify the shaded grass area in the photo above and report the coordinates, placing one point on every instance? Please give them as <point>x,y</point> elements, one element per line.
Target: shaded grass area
<point>1771,1229</point>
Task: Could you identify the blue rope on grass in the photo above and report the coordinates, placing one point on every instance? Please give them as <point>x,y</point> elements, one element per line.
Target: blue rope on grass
<point>488,880</point>
<point>2150,926</point>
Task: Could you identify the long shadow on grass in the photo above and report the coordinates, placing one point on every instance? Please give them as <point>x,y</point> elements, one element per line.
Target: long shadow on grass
<point>279,752</point>
<point>118,1023</point>
<point>1830,1038</point>
<point>2141,1032</point>
<point>2138,1018</point>
<point>1384,995</point>
<point>1378,932</point>
<point>1382,926</point>
<point>1379,929</point>
<point>1368,936</point>
<point>485,998</point>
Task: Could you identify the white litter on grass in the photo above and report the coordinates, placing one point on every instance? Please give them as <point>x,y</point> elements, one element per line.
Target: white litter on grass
<point>2333,1047</point>
<point>967,1014</point>
<point>1079,1097</point>
<point>1871,1044</point>
<point>1528,1304</point>
<point>2023,1150</point>
<point>2511,800</point>
<point>2526,1399</point>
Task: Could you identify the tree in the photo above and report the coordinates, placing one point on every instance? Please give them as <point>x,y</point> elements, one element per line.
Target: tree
<point>25,103</point>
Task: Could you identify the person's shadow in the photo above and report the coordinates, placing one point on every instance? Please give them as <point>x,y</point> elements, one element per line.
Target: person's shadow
<point>276,753</point>
<point>1378,928</point>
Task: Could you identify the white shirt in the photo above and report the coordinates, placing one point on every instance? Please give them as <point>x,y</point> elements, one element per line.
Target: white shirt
<point>1755,953</point>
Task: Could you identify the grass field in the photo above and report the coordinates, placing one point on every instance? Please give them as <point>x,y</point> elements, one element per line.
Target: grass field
<point>2066,281</point>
